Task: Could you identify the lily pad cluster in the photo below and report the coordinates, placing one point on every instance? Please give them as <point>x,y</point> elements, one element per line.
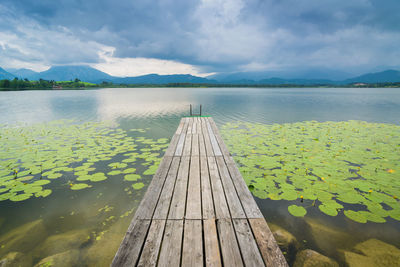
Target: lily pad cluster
<point>32,156</point>
<point>350,166</point>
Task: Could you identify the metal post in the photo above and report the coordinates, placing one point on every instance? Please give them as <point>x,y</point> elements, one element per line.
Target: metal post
<point>190,109</point>
<point>200,110</point>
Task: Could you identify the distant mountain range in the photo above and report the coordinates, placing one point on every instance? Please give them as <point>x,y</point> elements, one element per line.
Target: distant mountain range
<point>89,74</point>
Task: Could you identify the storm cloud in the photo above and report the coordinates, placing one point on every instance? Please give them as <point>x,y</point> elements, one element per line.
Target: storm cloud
<point>207,36</point>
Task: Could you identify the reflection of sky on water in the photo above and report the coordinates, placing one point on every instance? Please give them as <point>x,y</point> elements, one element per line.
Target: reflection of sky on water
<point>269,105</point>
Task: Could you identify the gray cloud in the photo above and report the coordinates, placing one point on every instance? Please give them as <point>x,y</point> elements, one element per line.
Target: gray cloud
<point>219,35</point>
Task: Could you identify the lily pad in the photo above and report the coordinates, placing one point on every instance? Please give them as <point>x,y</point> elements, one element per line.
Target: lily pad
<point>297,211</point>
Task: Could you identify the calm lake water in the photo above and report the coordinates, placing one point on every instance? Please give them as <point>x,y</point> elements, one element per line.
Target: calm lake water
<point>92,222</point>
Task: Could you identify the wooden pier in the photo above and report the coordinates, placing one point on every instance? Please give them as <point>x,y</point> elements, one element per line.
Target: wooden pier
<point>197,210</point>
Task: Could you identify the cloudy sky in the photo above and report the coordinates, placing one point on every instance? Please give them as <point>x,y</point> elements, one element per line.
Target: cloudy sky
<point>134,37</point>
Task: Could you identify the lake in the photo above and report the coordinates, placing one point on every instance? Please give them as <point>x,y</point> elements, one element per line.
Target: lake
<point>74,165</point>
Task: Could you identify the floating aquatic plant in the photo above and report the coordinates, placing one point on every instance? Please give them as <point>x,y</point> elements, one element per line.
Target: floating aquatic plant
<point>335,166</point>
<point>32,156</point>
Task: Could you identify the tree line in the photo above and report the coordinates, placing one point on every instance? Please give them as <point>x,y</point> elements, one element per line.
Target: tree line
<point>25,84</point>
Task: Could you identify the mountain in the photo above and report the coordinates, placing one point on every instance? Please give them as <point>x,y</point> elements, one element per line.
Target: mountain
<point>378,77</point>
<point>5,75</point>
<point>23,73</point>
<point>162,79</point>
<point>67,73</point>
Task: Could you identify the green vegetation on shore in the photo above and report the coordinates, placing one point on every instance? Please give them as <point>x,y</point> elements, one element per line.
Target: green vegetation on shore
<point>19,84</point>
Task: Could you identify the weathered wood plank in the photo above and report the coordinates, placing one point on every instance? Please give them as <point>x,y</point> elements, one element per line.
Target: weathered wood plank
<point>178,202</point>
<point>172,146</point>
<point>220,205</point>
<point>180,144</point>
<point>249,204</point>
<point>164,202</point>
<point>248,246</point>
<point>229,246</point>
<point>170,253</point>
<point>194,126</point>
<point>206,193</point>
<point>150,199</point>
<point>202,146</point>
<point>195,145</point>
<point>214,143</point>
<point>211,245</point>
<point>187,149</point>
<point>180,126</point>
<point>189,129</point>
<point>207,141</point>
<point>232,198</point>
<point>152,245</point>
<point>181,141</point>
<point>192,252</point>
<point>220,141</point>
<point>130,248</point>
<point>193,202</point>
<point>266,242</point>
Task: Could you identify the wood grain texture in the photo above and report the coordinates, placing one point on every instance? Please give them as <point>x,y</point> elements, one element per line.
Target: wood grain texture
<point>164,201</point>
<point>152,244</point>
<point>207,142</point>
<point>192,252</point>
<point>178,203</point>
<point>249,204</point>
<point>270,251</point>
<point>172,146</point>
<point>229,246</point>
<point>213,140</point>
<point>232,198</point>
<point>211,244</point>
<point>150,199</point>
<point>221,143</point>
<point>248,246</point>
<point>195,145</point>
<point>220,205</point>
<point>170,253</point>
<point>207,201</point>
<point>131,246</point>
<point>202,146</point>
<point>193,202</point>
<point>187,148</point>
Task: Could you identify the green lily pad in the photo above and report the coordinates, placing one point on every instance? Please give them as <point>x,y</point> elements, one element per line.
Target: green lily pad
<point>79,186</point>
<point>132,177</point>
<point>297,211</point>
<point>138,186</point>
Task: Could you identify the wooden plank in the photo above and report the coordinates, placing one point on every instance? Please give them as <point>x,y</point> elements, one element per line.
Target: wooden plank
<point>194,126</point>
<point>207,141</point>
<point>206,193</point>
<point>249,204</point>
<point>248,246</point>
<point>150,199</point>
<point>213,140</point>
<point>178,202</point>
<point>179,146</point>
<point>180,126</point>
<point>164,202</point>
<point>202,146</point>
<point>266,242</point>
<point>181,141</point>
<point>172,146</point>
<point>193,202</point>
<point>130,248</point>
<point>189,129</point>
<point>187,149</point>
<point>152,245</point>
<point>220,205</point>
<point>195,145</point>
<point>220,141</point>
<point>229,246</point>
<point>211,245</point>
<point>170,253</point>
<point>192,252</point>
<point>232,198</point>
